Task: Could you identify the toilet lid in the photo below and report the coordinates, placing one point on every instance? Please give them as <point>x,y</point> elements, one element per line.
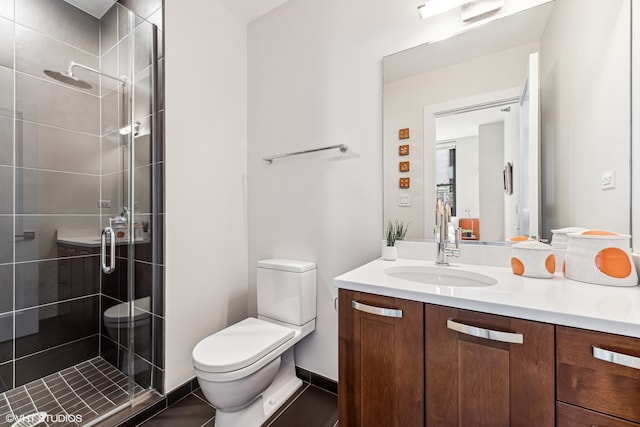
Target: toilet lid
<point>239,345</point>
<point>119,313</point>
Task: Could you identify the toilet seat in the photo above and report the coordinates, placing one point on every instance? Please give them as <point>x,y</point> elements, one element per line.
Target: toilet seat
<point>239,345</point>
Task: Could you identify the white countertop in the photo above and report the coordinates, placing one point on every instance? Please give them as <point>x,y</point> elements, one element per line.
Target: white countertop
<point>556,300</point>
<point>94,242</point>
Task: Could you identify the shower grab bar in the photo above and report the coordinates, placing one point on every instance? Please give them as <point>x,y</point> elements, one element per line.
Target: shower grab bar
<point>343,149</point>
<point>103,253</point>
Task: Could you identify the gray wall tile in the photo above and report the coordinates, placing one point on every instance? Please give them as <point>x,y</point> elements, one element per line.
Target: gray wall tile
<point>6,190</point>
<point>123,57</point>
<point>143,148</point>
<point>112,190</point>
<point>45,244</point>
<point>111,114</point>
<point>109,29</point>
<point>6,288</point>
<point>143,46</point>
<point>36,52</point>
<point>6,42</point>
<point>142,185</point>
<point>156,19</point>
<point>6,141</point>
<point>112,151</point>
<point>55,104</point>
<point>83,314</point>
<point>109,65</point>
<point>142,99</point>
<point>6,239</point>
<point>6,376</point>
<point>61,21</point>
<point>6,346</point>
<point>46,147</point>
<point>46,192</point>
<point>123,22</point>
<point>6,92</point>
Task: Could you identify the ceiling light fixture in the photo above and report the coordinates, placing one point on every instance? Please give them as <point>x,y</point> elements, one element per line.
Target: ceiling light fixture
<point>436,7</point>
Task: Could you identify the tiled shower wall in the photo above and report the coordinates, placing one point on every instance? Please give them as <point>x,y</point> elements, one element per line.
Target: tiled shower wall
<point>59,156</point>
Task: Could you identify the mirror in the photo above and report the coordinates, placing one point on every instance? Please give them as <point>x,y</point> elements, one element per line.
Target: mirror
<point>584,135</point>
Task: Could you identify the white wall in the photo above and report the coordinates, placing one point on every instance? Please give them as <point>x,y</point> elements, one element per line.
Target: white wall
<point>586,125</point>
<point>467,179</point>
<point>206,231</point>
<point>315,79</point>
<point>491,139</point>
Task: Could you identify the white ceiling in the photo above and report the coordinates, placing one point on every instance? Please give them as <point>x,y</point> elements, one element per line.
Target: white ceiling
<point>501,34</point>
<point>462,125</point>
<point>96,8</point>
<point>246,9</point>
<point>252,9</point>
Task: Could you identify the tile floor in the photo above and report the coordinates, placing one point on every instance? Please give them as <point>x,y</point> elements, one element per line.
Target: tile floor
<point>310,407</point>
<point>87,390</point>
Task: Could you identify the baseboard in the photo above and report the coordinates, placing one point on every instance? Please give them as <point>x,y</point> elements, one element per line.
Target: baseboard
<point>317,380</point>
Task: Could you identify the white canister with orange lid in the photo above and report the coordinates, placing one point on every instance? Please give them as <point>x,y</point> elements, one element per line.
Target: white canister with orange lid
<point>533,259</point>
<point>600,257</point>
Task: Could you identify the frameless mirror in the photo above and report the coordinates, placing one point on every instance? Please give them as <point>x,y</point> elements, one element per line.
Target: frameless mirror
<point>443,99</point>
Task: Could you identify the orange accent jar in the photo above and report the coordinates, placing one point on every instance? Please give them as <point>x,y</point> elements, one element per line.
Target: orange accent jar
<point>600,257</point>
<point>533,259</point>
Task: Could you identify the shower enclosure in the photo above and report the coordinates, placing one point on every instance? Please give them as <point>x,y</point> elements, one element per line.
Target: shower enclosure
<point>81,309</point>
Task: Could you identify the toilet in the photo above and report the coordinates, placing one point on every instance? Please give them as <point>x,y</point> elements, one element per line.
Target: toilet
<point>247,371</point>
<point>116,322</point>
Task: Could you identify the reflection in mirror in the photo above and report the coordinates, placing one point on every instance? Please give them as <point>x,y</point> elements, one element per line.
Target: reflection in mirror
<point>584,67</point>
<point>471,148</point>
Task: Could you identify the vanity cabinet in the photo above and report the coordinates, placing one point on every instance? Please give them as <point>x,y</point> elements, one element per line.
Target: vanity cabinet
<point>597,372</point>
<point>487,370</point>
<point>409,363</point>
<point>381,361</point>
<point>78,270</point>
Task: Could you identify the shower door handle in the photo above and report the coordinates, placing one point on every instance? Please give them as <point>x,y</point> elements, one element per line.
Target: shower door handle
<point>103,253</point>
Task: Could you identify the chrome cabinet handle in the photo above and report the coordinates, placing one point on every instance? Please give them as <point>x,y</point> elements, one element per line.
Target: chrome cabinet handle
<point>103,253</point>
<point>386,312</point>
<point>510,337</point>
<point>617,358</point>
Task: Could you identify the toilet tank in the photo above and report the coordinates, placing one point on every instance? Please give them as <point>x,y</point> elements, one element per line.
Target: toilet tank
<point>287,290</point>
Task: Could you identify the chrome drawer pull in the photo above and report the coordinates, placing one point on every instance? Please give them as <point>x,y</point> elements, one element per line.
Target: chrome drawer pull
<point>386,312</point>
<point>489,334</point>
<point>617,358</point>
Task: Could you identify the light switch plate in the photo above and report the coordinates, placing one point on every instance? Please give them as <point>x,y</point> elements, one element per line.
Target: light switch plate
<point>608,180</point>
<point>404,200</point>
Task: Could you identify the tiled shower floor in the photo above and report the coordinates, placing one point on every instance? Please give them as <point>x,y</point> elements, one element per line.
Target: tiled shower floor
<point>71,397</point>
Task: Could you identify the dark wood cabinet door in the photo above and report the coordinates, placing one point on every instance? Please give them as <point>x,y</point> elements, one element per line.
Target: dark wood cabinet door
<point>381,361</point>
<point>474,375</point>
<point>599,371</point>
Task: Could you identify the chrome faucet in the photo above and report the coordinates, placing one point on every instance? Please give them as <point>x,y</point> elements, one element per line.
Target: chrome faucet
<point>443,217</point>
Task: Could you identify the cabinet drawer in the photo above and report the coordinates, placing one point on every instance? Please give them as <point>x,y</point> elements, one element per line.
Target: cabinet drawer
<point>585,379</point>
<point>572,416</point>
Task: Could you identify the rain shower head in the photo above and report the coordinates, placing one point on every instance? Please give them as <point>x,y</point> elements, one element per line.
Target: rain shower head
<point>68,78</point>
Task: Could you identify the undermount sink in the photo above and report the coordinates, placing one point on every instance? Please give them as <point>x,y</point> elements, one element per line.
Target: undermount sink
<point>443,276</point>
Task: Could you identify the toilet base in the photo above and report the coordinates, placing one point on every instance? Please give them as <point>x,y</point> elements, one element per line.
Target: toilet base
<point>284,385</point>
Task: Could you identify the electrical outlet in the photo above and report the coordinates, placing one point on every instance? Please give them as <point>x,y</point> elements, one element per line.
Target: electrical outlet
<point>104,203</point>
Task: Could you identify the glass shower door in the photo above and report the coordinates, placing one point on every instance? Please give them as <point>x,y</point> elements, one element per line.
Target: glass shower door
<point>76,121</point>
